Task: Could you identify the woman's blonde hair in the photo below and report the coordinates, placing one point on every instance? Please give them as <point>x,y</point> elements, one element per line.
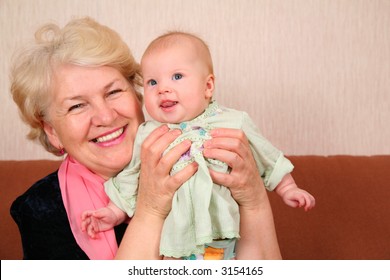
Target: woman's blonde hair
<point>82,42</point>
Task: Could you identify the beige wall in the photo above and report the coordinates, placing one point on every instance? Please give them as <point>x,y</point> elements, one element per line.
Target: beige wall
<point>313,74</point>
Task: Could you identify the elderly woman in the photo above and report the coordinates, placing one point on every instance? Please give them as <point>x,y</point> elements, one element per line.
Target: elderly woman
<point>78,90</point>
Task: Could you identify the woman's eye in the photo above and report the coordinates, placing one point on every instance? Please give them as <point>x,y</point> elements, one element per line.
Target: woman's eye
<point>177,76</point>
<point>114,91</point>
<point>152,82</point>
<point>74,107</point>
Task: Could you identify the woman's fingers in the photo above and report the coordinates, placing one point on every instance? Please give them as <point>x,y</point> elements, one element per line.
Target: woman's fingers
<point>166,163</point>
<point>232,147</point>
<point>157,186</point>
<point>155,143</point>
<point>228,133</point>
<point>184,175</point>
<point>235,152</point>
<point>228,140</point>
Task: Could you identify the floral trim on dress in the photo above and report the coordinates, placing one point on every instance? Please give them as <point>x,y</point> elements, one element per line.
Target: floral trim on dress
<point>196,130</point>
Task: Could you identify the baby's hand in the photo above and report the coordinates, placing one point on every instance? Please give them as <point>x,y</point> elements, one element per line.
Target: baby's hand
<point>297,197</point>
<point>97,221</point>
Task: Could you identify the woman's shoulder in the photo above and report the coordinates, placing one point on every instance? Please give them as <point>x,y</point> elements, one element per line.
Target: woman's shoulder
<point>41,217</point>
<point>43,195</point>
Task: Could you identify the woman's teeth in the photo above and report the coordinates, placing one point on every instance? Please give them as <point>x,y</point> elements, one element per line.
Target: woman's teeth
<point>109,137</point>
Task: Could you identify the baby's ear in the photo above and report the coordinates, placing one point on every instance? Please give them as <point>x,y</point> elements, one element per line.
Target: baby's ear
<point>209,86</point>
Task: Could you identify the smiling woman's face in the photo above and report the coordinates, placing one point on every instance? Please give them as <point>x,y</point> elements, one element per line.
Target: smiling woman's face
<point>94,115</point>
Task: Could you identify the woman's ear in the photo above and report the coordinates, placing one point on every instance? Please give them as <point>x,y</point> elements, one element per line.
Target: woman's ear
<point>209,86</point>
<point>52,135</point>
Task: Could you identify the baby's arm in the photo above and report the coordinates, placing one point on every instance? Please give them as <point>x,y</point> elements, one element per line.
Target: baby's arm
<point>95,221</point>
<point>293,196</point>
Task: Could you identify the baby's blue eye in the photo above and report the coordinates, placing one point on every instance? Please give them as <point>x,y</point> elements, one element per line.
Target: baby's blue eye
<point>177,76</point>
<point>152,83</point>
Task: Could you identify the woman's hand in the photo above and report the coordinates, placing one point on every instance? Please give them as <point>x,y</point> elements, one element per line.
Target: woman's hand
<point>257,230</point>
<point>155,193</point>
<point>156,185</point>
<point>231,146</point>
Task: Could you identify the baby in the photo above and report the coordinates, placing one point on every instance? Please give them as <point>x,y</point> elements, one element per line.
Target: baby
<point>178,90</point>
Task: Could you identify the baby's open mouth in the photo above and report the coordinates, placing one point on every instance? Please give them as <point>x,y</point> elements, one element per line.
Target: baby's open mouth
<point>168,104</point>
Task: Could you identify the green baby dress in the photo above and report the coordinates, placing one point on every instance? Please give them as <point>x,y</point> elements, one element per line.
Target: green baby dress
<point>201,210</point>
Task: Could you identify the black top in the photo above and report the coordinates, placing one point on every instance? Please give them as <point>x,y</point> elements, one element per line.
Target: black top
<point>43,223</point>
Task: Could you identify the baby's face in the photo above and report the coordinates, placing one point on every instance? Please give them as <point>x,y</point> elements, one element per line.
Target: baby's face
<point>177,83</point>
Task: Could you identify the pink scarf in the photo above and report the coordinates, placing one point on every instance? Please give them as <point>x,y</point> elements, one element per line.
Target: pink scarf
<point>83,190</point>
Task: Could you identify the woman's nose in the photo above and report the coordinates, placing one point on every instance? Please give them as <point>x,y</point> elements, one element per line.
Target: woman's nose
<point>103,114</point>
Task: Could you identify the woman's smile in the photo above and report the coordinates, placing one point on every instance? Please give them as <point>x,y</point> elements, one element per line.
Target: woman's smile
<point>109,137</point>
